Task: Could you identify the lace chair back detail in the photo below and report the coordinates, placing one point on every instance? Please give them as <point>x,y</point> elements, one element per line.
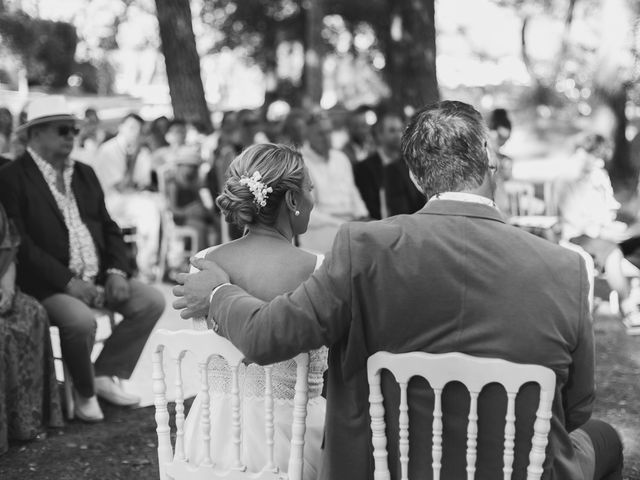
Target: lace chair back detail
<point>205,346</point>
<point>474,373</point>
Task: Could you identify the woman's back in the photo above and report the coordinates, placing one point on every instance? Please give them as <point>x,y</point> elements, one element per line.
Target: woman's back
<point>263,265</point>
<point>268,192</point>
<point>267,266</point>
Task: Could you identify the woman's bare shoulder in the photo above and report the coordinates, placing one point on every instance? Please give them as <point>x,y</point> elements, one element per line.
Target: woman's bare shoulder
<point>222,252</point>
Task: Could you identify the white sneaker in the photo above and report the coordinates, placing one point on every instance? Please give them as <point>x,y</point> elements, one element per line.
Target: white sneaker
<point>111,391</point>
<point>87,409</point>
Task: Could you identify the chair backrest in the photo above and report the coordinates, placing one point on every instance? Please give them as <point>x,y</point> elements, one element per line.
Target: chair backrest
<point>589,264</point>
<point>474,373</point>
<point>204,345</point>
<point>551,196</point>
<point>520,197</point>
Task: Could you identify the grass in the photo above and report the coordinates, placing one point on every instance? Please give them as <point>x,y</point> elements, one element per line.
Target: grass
<point>124,446</point>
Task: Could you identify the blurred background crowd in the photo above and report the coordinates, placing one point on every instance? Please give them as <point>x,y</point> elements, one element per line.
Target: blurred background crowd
<point>168,92</point>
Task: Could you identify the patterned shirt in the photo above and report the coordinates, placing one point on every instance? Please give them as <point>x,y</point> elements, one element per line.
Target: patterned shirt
<point>83,256</point>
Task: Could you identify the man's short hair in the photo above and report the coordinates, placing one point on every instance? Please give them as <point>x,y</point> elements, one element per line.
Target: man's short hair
<point>383,115</point>
<point>134,116</point>
<point>176,122</point>
<point>499,118</point>
<point>444,146</point>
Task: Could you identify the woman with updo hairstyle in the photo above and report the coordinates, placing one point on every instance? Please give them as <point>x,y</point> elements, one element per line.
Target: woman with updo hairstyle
<point>268,193</point>
<point>281,168</point>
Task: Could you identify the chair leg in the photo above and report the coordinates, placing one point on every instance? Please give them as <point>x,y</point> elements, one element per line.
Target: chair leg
<point>614,302</point>
<point>68,392</point>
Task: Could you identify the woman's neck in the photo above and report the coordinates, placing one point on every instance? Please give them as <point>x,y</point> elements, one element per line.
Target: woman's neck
<point>270,231</point>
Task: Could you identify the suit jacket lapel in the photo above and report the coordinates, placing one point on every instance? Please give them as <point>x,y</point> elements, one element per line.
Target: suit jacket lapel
<point>33,175</point>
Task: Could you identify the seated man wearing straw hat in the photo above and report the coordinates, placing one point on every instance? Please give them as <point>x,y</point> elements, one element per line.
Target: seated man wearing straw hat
<point>73,257</point>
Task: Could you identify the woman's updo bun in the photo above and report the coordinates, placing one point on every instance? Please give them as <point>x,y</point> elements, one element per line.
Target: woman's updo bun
<point>281,168</point>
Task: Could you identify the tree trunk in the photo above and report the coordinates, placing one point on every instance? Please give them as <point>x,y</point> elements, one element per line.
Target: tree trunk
<point>182,62</point>
<point>621,170</point>
<point>411,53</point>
<point>612,78</point>
<point>314,51</point>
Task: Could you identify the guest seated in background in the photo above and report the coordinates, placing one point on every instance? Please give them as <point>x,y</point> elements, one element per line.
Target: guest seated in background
<point>124,172</point>
<point>499,133</point>
<point>29,400</point>
<point>360,144</point>
<point>383,178</point>
<point>336,196</point>
<point>229,144</point>
<point>588,211</point>
<point>6,130</point>
<point>452,277</point>
<point>268,190</point>
<point>91,136</point>
<point>183,194</point>
<point>250,128</point>
<point>72,257</point>
<point>116,163</point>
<point>176,137</point>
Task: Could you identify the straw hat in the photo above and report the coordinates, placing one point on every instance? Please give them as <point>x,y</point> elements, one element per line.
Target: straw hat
<point>47,109</point>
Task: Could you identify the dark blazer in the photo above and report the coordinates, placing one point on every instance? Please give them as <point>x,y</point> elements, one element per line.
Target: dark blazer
<point>43,258</point>
<point>451,278</point>
<point>402,196</point>
<point>4,161</point>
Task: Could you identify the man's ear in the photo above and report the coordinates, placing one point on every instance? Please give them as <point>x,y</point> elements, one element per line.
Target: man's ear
<point>415,181</point>
<point>290,200</point>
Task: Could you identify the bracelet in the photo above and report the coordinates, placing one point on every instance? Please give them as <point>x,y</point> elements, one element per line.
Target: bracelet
<point>117,271</point>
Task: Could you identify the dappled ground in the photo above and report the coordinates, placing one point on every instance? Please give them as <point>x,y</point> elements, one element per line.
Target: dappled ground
<point>124,447</point>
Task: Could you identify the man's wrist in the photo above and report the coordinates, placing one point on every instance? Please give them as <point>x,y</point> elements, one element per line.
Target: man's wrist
<point>216,326</point>
<point>117,271</point>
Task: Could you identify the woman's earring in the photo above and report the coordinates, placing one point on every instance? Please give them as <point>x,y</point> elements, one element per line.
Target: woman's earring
<point>297,213</point>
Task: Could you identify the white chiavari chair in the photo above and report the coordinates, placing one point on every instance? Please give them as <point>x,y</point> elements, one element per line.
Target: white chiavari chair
<point>173,461</point>
<point>106,321</point>
<point>474,373</point>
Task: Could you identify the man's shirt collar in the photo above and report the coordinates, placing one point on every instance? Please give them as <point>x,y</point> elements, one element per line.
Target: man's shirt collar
<point>464,197</point>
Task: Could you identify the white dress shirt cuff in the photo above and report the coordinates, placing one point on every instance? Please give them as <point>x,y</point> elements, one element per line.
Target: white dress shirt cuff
<point>216,327</point>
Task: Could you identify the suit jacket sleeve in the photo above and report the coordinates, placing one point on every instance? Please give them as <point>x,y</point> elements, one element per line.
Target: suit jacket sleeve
<point>579,393</point>
<point>115,248</point>
<point>34,261</point>
<point>317,313</point>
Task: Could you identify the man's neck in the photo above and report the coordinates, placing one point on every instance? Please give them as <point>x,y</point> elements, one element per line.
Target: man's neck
<point>324,156</point>
<point>55,161</point>
<point>388,155</point>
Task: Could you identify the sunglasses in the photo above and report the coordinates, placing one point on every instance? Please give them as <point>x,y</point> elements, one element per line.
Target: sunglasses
<point>64,130</point>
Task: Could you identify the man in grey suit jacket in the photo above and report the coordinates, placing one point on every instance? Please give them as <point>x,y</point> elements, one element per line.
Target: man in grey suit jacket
<point>452,277</point>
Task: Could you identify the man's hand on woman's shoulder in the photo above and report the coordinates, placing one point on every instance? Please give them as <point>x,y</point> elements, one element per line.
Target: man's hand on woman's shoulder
<point>194,289</point>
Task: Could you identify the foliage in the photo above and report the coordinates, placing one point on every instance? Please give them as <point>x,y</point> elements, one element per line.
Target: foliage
<point>359,30</point>
<point>46,48</point>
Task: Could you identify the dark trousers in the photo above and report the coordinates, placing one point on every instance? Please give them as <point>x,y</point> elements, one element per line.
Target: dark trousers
<point>121,350</point>
<point>607,448</point>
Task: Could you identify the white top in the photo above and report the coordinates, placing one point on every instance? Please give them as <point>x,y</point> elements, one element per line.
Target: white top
<point>588,206</point>
<point>110,165</point>
<point>336,196</point>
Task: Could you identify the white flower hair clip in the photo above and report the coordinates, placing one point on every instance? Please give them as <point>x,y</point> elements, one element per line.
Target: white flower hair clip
<point>259,189</point>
